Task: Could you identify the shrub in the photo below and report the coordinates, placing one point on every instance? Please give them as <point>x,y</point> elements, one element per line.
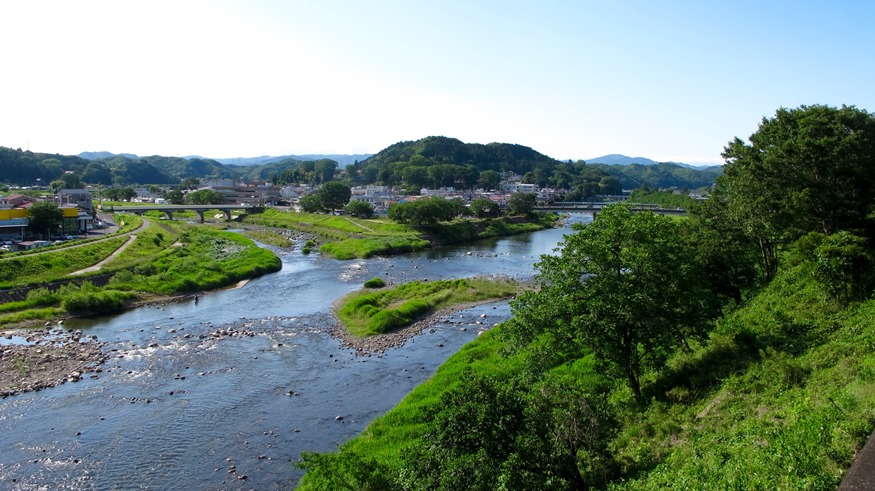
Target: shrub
<point>375,283</point>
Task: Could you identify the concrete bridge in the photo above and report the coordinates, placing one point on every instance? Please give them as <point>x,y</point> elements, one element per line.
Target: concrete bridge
<point>169,209</point>
<point>593,207</point>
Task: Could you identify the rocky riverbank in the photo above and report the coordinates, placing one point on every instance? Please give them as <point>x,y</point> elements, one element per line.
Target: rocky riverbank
<point>46,358</point>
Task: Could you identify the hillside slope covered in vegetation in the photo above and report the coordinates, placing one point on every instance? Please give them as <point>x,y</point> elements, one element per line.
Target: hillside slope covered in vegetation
<point>731,350</point>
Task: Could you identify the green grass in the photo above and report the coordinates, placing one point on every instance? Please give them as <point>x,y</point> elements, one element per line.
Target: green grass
<point>42,268</point>
<point>168,258</point>
<point>370,247</point>
<point>347,237</point>
<point>268,237</point>
<point>369,312</point>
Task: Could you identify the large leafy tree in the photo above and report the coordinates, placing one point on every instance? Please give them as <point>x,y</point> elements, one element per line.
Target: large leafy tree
<point>806,169</point>
<point>624,287</point>
<point>482,208</point>
<point>203,197</point>
<point>728,256</point>
<point>334,195</point>
<point>359,209</point>
<point>521,203</point>
<point>426,211</point>
<point>44,217</point>
<point>324,169</point>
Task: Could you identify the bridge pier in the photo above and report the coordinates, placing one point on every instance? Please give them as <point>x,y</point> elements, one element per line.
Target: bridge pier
<point>169,214</point>
<point>227,215</point>
<point>200,216</point>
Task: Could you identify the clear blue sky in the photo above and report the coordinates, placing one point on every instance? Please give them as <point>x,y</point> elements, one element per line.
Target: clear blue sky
<point>572,79</point>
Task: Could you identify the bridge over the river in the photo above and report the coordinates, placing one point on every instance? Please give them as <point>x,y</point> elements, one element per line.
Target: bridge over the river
<point>169,209</point>
<point>593,207</point>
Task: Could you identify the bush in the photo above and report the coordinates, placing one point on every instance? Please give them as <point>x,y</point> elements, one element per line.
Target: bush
<point>375,283</point>
<point>842,265</point>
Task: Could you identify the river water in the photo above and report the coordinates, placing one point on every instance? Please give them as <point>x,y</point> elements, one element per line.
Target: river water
<point>176,408</point>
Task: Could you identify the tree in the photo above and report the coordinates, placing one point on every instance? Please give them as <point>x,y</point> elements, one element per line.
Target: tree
<point>416,176</point>
<point>203,197</point>
<point>806,169</point>
<point>424,212</point>
<point>311,203</point>
<point>360,209</point>
<point>521,203</point>
<point>334,195</point>
<point>490,434</point>
<point>175,197</point>
<point>728,256</point>
<point>323,170</point>
<point>623,287</point>
<point>469,435</point>
<point>489,179</point>
<point>610,185</point>
<point>190,183</point>
<point>482,208</point>
<point>44,217</point>
<point>71,181</point>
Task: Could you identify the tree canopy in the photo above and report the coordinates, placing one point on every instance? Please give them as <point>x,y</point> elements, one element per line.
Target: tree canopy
<point>623,287</point>
<point>44,217</point>
<point>425,211</point>
<point>806,169</point>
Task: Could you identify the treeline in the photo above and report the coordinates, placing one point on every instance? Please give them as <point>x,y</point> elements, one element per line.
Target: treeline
<point>431,162</point>
<point>24,168</point>
<point>732,349</point>
<point>437,161</point>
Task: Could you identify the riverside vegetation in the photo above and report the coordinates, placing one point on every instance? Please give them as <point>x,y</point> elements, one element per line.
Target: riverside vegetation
<point>348,237</point>
<point>733,350</point>
<point>368,312</point>
<point>168,258</point>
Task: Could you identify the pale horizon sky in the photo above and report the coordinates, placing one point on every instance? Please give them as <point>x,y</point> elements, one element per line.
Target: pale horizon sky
<point>670,81</point>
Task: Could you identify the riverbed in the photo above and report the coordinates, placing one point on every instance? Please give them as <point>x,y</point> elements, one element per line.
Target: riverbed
<point>226,392</point>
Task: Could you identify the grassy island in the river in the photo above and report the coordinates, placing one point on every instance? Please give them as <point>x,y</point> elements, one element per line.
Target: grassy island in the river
<point>370,312</point>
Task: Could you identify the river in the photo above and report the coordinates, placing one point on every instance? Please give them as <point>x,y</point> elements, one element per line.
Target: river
<point>176,408</point>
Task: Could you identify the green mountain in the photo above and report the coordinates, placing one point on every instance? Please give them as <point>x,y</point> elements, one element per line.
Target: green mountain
<point>662,175</point>
<point>26,168</point>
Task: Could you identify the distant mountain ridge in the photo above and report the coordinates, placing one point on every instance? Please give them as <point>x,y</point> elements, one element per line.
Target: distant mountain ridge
<point>620,159</point>
<point>104,155</point>
<point>342,159</point>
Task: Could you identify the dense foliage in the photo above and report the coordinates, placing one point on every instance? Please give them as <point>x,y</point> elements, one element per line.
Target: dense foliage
<point>45,217</point>
<point>661,176</point>
<point>659,354</point>
<point>426,211</point>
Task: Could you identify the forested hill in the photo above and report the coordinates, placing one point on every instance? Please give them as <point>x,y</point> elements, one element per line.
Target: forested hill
<point>438,160</point>
<point>386,167</point>
<point>662,175</point>
<point>29,168</point>
<point>26,168</point>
